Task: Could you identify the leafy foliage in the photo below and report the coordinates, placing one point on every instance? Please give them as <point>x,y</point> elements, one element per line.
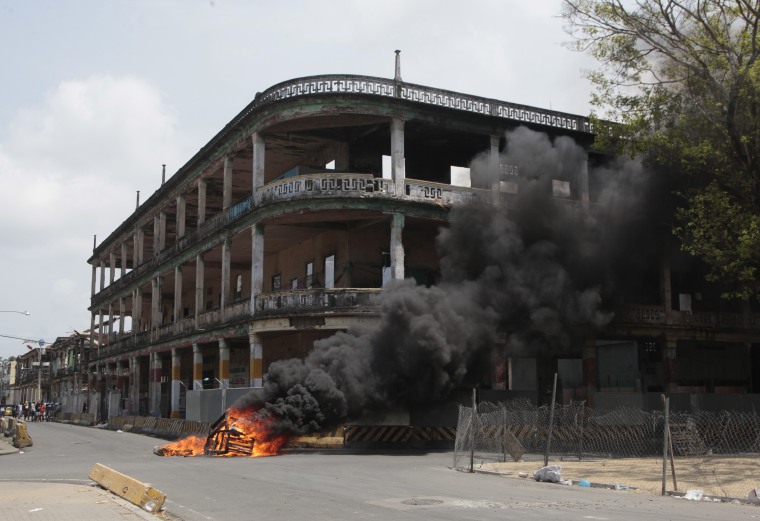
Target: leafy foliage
<point>679,81</point>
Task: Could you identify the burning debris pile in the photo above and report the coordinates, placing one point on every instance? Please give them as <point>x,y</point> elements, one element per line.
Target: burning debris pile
<point>238,432</point>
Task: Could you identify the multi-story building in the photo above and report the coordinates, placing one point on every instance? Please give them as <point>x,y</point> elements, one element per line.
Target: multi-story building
<point>280,229</point>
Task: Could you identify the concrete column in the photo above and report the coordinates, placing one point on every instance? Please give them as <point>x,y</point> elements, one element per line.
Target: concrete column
<point>341,157</point>
<point>102,275</point>
<point>197,368</point>
<point>110,321</point>
<point>397,247</point>
<point>122,314</point>
<point>259,149</point>
<point>494,172</point>
<point>155,308</point>
<point>257,360</point>
<point>226,262</point>
<point>120,384</point>
<point>201,202</point>
<point>100,327</point>
<point>199,286</point>
<point>181,215</point>
<point>140,246</point>
<point>161,231</point>
<point>398,168</point>
<point>176,388</point>
<point>112,267</point>
<point>669,364</point>
<point>94,279</point>
<point>224,363</point>
<point>156,235</point>
<point>137,311</point>
<point>123,263</point>
<point>177,294</point>
<point>155,385</point>
<point>134,385</point>
<point>227,183</point>
<point>583,182</point>
<point>257,264</point>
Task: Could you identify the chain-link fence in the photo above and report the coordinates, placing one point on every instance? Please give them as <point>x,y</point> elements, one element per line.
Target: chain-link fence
<point>712,451</point>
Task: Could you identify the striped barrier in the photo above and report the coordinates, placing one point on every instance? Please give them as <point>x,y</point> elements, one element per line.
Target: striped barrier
<point>400,436</point>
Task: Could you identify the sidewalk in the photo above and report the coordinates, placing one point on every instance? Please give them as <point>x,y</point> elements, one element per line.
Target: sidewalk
<point>45,501</point>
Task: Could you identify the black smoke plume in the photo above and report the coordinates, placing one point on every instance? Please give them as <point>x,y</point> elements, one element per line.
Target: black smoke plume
<point>526,272</point>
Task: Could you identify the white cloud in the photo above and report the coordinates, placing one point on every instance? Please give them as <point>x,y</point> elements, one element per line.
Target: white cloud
<point>69,169</point>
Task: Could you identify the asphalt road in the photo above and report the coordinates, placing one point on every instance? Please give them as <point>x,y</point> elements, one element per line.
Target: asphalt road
<point>318,486</point>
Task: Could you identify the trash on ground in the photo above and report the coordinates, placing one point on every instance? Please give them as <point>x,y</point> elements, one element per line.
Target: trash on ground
<point>584,483</point>
<point>550,473</point>
<point>694,495</point>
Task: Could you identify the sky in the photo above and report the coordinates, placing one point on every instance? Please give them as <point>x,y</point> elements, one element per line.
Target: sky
<point>96,96</point>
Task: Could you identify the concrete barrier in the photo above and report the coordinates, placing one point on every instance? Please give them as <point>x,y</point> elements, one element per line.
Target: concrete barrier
<point>134,491</point>
<point>21,437</point>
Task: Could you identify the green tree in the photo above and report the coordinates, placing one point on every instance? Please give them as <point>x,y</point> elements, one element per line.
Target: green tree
<point>679,80</point>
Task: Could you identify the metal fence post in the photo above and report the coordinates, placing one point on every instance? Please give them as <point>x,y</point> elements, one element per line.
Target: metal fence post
<point>551,422</point>
<point>665,443</point>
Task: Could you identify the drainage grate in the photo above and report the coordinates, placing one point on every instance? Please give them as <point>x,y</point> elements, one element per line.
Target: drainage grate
<point>422,501</point>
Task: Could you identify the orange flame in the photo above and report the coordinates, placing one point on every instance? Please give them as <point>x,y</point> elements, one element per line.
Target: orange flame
<point>249,426</point>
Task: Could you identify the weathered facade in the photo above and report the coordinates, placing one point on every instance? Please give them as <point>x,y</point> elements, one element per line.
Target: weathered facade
<point>280,229</point>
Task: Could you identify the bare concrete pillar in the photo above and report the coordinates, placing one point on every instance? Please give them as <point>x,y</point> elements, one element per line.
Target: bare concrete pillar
<point>341,157</point>
<point>139,247</point>
<point>110,321</point>
<point>137,311</point>
<point>257,360</point>
<point>227,183</point>
<point>155,385</point>
<point>102,275</point>
<point>226,262</point>
<point>201,202</point>
<point>100,327</point>
<point>155,308</point>
<point>224,363</point>
<point>156,235</point>
<point>493,168</point>
<point>123,260</point>
<point>197,368</point>
<point>134,385</point>
<point>161,231</point>
<point>120,386</point>
<point>398,164</point>
<point>199,290</point>
<point>176,387</point>
<point>257,264</point>
<point>397,247</point>
<point>122,314</point>
<point>259,149</point>
<point>177,294</point>
<point>583,182</point>
<point>181,215</point>
<point>94,279</point>
<point>111,267</point>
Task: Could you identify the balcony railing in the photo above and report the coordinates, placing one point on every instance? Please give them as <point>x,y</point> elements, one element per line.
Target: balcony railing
<point>658,315</point>
<point>311,186</point>
<point>269,304</point>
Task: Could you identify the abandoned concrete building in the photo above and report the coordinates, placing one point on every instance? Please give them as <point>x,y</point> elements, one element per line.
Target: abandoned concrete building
<point>283,226</point>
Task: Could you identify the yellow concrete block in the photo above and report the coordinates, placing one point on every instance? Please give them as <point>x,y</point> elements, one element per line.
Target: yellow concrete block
<point>21,437</point>
<point>136,492</point>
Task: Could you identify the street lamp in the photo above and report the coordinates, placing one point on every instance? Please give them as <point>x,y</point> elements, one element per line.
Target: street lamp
<point>19,312</point>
